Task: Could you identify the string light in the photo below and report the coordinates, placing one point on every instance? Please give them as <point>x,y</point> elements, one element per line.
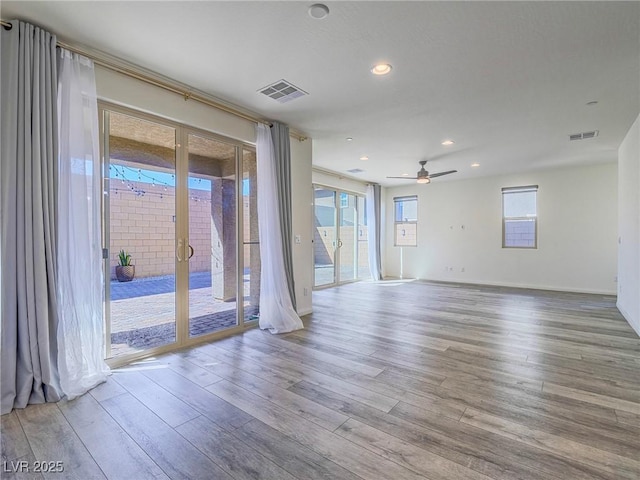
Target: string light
<point>125,173</point>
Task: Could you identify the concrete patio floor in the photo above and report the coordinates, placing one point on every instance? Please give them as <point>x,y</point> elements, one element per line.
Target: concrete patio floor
<point>143,312</point>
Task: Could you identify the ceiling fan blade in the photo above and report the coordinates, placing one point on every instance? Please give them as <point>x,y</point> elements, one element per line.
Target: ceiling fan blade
<point>406,178</point>
<point>434,175</point>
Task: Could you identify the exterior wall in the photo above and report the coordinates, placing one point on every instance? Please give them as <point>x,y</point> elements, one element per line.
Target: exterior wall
<point>144,226</point>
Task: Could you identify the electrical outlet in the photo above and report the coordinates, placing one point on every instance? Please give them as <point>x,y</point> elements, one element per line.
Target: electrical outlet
<point>298,238</point>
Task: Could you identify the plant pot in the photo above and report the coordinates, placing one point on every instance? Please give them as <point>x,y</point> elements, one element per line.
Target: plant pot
<point>125,274</point>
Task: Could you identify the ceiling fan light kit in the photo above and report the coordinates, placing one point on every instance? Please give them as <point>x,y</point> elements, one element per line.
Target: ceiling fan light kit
<point>423,175</point>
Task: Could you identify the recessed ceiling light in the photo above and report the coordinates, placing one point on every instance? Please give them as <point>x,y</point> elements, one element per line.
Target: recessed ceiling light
<point>405,174</point>
<point>381,69</point>
<point>318,11</point>
<point>364,157</point>
<point>475,164</point>
<point>349,139</point>
<point>446,143</point>
<point>591,103</point>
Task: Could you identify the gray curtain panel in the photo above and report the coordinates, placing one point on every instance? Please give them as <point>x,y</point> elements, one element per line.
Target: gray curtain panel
<point>282,154</point>
<point>374,219</point>
<point>28,173</point>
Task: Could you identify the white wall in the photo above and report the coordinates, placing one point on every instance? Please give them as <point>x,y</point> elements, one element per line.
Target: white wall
<point>129,92</point>
<point>629,226</point>
<point>460,227</point>
<point>302,204</point>
<point>335,181</point>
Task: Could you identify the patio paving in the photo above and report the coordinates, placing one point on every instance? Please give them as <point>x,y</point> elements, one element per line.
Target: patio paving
<point>140,287</point>
<point>143,311</point>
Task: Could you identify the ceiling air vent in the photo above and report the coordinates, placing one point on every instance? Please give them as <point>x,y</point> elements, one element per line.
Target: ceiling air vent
<point>355,170</point>
<point>583,135</point>
<point>282,91</point>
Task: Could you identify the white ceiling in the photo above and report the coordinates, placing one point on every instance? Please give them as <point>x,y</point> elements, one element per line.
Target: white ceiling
<point>507,81</point>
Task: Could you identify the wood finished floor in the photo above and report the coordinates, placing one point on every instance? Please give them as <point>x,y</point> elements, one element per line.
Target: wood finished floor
<point>388,381</point>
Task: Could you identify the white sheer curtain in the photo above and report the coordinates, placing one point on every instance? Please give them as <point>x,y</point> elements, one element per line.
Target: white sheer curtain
<point>80,330</point>
<point>276,309</point>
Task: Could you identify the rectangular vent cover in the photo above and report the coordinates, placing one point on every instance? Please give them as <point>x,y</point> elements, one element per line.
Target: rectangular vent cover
<point>283,91</point>
<point>583,135</point>
<point>355,170</point>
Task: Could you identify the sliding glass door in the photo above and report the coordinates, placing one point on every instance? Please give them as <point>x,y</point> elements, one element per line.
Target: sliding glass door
<point>188,227</point>
<point>340,241</point>
<point>140,234</point>
<point>211,255</point>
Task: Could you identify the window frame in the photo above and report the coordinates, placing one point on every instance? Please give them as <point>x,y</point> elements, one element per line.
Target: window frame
<point>397,200</point>
<point>521,189</point>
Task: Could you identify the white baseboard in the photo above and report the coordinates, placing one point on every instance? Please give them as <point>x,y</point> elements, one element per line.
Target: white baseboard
<point>304,312</point>
<point>522,285</point>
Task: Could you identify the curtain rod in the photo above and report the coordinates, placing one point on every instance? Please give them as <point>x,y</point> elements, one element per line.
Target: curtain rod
<point>341,176</point>
<point>186,94</point>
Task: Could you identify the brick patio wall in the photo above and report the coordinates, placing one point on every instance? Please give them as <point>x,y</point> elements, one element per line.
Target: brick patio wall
<point>144,226</point>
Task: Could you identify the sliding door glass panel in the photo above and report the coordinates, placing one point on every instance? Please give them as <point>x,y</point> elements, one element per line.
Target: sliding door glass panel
<point>141,222</point>
<point>250,240</point>
<point>324,236</point>
<point>212,235</point>
<point>348,239</point>
<point>364,273</point>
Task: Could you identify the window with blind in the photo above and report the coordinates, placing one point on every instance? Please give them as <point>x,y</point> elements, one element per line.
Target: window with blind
<point>406,221</point>
<point>520,217</point>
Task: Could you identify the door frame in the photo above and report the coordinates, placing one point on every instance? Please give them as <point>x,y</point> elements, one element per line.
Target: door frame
<point>336,255</point>
<point>181,233</point>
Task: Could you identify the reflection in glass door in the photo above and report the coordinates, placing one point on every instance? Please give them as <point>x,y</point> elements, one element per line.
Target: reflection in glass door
<point>340,237</point>
<point>140,213</point>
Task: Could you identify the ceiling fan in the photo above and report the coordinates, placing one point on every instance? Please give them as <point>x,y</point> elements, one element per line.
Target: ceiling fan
<point>423,176</point>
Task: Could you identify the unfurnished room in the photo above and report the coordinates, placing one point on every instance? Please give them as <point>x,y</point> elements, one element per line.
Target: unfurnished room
<point>341,240</point>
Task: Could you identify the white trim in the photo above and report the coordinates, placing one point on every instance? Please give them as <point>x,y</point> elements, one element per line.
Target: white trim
<point>523,286</point>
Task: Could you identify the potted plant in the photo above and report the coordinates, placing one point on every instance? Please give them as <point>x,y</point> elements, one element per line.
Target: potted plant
<point>125,270</point>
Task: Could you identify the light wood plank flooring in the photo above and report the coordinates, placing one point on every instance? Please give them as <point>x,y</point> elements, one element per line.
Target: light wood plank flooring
<point>396,380</point>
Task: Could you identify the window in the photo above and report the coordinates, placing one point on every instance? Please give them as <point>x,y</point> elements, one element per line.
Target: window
<point>406,221</point>
<point>519,217</point>
<point>344,200</point>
